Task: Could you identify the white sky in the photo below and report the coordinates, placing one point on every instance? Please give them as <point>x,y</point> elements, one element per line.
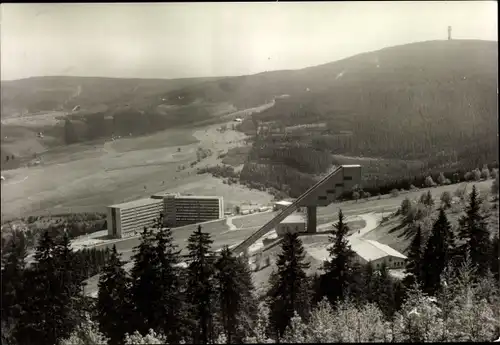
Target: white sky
<point>219,39</point>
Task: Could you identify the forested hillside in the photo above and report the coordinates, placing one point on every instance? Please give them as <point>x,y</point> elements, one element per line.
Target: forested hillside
<point>418,108</point>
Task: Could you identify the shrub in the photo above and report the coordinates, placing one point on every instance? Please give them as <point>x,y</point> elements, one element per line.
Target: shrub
<point>87,333</point>
<point>468,176</point>
<point>394,193</point>
<point>476,174</point>
<point>455,208</point>
<point>446,199</point>
<point>441,179</point>
<point>485,173</point>
<point>494,186</point>
<point>460,193</point>
<point>429,182</point>
<point>405,206</point>
<point>355,195</point>
<point>151,338</point>
<point>494,173</point>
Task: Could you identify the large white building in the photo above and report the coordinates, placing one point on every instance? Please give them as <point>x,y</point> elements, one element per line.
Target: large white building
<point>131,217</point>
<point>377,253</point>
<point>190,209</point>
<point>177,210</point>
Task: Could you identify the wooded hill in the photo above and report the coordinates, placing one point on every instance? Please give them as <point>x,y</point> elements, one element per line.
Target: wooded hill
<point>418,108</point>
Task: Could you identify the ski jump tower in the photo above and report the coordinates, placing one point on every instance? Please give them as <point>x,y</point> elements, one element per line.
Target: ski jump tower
<point>322,194</point>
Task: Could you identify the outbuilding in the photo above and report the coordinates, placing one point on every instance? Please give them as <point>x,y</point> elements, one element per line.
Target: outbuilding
<point>293,223</point>
<point>281,205</point>
<point>377,253</point>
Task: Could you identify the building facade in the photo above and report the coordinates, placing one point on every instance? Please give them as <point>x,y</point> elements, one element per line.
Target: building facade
<point>294,223</point>
<point>131,217</point>
<point>178,210</point>
<point>183,210</point>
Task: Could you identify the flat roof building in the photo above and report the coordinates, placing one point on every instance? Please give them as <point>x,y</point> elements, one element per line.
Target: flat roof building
<point>282,204</point>
<point>293,223</point>
<point>130,217</point>
<point>191,209</point>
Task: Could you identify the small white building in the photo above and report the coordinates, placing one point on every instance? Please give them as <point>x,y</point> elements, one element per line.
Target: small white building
<point>281,205</point>
<point>293,223</point>
<point>377,253</point>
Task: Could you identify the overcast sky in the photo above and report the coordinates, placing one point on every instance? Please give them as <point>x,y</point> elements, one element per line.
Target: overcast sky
<point>219,39</point>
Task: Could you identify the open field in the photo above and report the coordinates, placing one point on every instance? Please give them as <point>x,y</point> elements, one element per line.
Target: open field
<point>89,176</point>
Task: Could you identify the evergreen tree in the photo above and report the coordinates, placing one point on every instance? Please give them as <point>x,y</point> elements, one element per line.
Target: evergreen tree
<point>427,199</point>
<point>143,284</point>
<point>69,268</point>
<point>168,287</point>
<point>384,291</point>
<point>438,253</point>
<point>495,257</point>
<point>234,288</point>
<point>113,301</point>
<point>250,312</point>
<point>13,268</point>
<point>52,306</point>
<point>415,253</point>
<point>200,286</point>
<point>291,290</point>
<point>474,234</point>
<point>338,268</point>
<point>405,206</point>
<point>355,284</point>
<point>369,288</point>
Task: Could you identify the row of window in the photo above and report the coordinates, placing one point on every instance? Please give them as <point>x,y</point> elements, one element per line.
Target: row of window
<point>397,263</point>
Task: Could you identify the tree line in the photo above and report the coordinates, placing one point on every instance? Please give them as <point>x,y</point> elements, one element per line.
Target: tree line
<point>450,292</point>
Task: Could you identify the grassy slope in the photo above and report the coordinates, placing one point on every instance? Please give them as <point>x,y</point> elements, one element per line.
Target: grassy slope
<point>52,93</point>
<point>427,106</point>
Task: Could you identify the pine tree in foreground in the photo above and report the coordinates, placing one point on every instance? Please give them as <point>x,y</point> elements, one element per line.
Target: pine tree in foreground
<point>438,253</point>
<point>474,234</point>
<point>234,287</point>
<point>143,290</point>
<point>415,254</point>
<point>52,303</point>
<point>200,292</point>
<point>495,257</point>
<point>113,301</point>
<point>291,292</point>
<point>168,286</point>
<point>13,268</point>
<point>384,291</point>
<point>338,268</point>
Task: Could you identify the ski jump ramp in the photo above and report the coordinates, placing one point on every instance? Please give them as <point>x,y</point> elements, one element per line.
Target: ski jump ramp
<point>342,179</point>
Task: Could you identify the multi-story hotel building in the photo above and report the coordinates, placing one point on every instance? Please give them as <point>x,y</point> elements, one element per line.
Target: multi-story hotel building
<point>189,209</point>
<point>177,210</point>
<point>125,219</point>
